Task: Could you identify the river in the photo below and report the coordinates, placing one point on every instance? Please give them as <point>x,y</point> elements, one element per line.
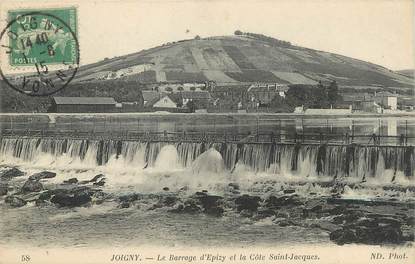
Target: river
<point>185,168</point>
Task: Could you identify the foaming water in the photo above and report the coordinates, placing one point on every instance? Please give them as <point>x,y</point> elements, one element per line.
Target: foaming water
<point>150,166</point>
<point>209,161</point>
<point>155,169</point>
<point>167,159</point>
<point>81,212</point>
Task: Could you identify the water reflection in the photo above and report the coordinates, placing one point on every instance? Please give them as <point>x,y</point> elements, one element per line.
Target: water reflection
<point>377,127</point>
<point>392,127</point>
<point>214,123</point>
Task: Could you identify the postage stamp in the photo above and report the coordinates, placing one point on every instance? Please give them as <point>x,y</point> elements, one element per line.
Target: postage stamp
<point>44,43</point>
<point>47,36</point>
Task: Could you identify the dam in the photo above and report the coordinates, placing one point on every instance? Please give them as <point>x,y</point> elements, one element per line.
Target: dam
<point>357,157</point>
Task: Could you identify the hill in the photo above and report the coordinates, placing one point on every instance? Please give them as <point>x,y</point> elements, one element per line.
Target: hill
<point>229,61</point>
<point>240,59</point>
<point>409,73</point>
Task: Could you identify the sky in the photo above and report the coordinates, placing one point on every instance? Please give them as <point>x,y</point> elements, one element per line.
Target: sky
<point>378,31</point>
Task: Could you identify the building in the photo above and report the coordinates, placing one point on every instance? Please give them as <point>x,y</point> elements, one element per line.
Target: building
<point>387,100</point>
<point>180,98</point>
<point>177,87</point>
<point>150,97</point>
<point>299,110</point>
<point>367,106</point>
<point>350,98</point>
<point>373,103</point>
<point>407,103</point>
<point>390,102</point>
<point>201,98</point>
<point>264,93</point>
<point>162,101</point>
<point>130,106</point>
<point>165,102</point>
<point>83,104</point>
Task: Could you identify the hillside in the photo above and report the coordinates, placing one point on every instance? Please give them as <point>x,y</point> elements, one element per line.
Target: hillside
<point>409,73</point>
<point>236,59</point>
<point>229,61</point>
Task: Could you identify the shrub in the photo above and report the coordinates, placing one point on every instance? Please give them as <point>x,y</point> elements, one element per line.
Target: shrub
<point>238,32</point>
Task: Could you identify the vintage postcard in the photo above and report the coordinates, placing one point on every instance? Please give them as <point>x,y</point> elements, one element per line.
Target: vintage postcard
<point>207,131</point>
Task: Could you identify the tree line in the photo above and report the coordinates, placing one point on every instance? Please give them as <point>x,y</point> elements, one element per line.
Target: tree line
<point>270,40</point>
<point>309,96</point>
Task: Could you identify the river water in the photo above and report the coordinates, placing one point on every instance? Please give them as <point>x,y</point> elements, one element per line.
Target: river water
<point>391,126</point>
<point>141,167</point>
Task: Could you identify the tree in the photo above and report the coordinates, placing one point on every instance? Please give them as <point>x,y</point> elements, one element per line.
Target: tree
<point>169,89</point>
<point>192,88</point>
<point>191,106</point>
<point>211,85</point>
<point>333,93</point>
<point>307,95</point>
<point>180,88</point>
<point>238,32</point>
<point>280,105</point>
<point>197,37</point>
<point>140,98</point>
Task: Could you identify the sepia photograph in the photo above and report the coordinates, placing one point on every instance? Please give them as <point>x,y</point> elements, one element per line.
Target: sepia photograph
<point>207,131</point>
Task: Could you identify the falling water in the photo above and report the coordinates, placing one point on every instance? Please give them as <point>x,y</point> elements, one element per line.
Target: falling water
<point>167,159</point>
<point>363,163</point>
<point>209,161</point>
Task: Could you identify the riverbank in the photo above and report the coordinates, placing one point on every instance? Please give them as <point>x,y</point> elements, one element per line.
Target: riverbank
<point>90,211</point>
<point>187,115</point>
<point>205,118</point>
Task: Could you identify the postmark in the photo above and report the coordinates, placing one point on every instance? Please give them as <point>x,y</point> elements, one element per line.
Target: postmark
<point>43,45</point>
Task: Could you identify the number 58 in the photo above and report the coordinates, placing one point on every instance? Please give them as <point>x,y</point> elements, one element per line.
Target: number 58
<point>25,258</point>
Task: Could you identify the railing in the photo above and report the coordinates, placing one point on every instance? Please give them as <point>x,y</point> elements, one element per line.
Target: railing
<point>252,138</point>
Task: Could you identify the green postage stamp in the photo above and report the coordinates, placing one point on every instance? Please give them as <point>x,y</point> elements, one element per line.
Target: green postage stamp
<point>43,44</point>
<point>47,36</point>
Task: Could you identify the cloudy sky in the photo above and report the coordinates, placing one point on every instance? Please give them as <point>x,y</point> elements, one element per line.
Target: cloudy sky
<point>379,31</point>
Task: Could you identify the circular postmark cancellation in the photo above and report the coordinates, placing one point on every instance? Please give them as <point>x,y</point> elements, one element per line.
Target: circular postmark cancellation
<point>42,50</point>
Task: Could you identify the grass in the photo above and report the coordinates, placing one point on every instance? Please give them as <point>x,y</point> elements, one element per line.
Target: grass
<point>255,76</point>
<point>185,76</point>
<point>238,57</point>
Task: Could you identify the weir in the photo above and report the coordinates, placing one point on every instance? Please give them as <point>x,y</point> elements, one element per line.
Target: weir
<point>317,158</point>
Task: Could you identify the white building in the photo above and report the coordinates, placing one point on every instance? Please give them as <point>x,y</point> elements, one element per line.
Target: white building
<point>388,100</point>
<point>165,102</point>
<point>391,102</point>
<point>299,110</point>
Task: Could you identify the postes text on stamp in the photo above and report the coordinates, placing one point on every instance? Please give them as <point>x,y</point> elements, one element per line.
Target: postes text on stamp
<point>44,43</point>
